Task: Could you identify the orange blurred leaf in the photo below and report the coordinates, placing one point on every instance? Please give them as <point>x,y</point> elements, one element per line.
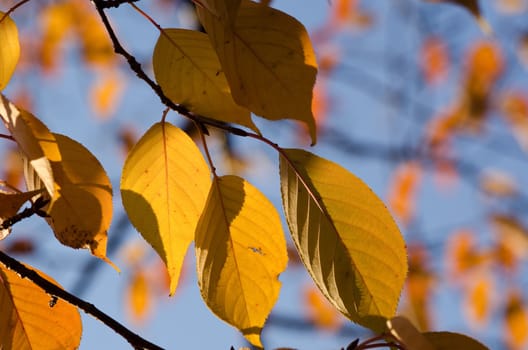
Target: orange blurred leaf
<point>514,106</point>
<point>462,254</point>
<point>419,282</point>
<point>402,191</point>
<point>105,94</point>
<point>478,300</point>
<point>434,60</point>
<point>512,233</point>
<point>498,183</point>
<point>320,311</point>
<point>138,296</point>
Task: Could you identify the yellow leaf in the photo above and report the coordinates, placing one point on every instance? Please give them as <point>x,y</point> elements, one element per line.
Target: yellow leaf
<point>240,252</point>
<point>28,322</point>
<point>10,52</point>
<point>164,186</point>
<point>37,144</point>
<point>80,212</point>
<point>188,71</point>
<point>224,10</point>
<point>451,341</point>
<point>405,332</point>
<point>10,203</point>
<point>346,237</point>
<point>268,61</point>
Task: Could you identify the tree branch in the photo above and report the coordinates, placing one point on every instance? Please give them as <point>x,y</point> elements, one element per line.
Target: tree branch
<point>100,6</point>
<point>57,292</point>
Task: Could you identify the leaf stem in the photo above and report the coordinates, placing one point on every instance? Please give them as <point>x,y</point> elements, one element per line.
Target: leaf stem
<point>54,290</point>
<point>12,9</point>
<point>206,149</point>
<point>7,137</point>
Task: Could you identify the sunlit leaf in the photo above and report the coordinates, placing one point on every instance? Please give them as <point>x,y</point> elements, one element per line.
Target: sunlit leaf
<point>403,330</point>
<point>164,186</point>
<point>10,52</point>
<point>28,322</point>
<point>188,71</point>
<point>451,341</point>
<point>10,203</point>
<point>240,252</point>
<point>37,144</point>
<point>80,211</point>
<point>225,10</point>
<point>268,61</point>
<point>346,237</point>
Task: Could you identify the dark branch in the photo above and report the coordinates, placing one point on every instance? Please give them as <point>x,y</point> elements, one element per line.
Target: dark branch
<point>100,5</point>
<point>106,4</point>
<point>52,289</point>
<point>26,213</point>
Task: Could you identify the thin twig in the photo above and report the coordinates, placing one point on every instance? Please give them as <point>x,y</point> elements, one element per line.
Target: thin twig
<point>106,4</point>
<point>52,289</point>
<point>24,214</point>
<point>136,68</point>
<point>8,137</point>
<point>12,9</point>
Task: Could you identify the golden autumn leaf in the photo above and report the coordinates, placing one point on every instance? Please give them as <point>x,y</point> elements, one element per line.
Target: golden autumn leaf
<point>462,254</point>
<point>36,142</point>
<point>451,341</point>
<point>28,322</point>
<point>404,331</point>
<point>240,252</point>
<point>346,237</point>
<point>268,60</point>
<point>512,233</point>
<point>80,211</point>
<point>10,203</point>
<point>189,73</point>
<point>164,186</point>
<point>10,52</point>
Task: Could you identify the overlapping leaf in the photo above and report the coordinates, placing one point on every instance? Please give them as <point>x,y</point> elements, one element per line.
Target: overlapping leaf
<point>345,236</point>
<point>10,203</point>
<point>267,58</point>
<point>80,211</point>
<point>240,252</point>
<point>10,52</point>
<point>164,186</point>
<point>36,142</point>
<point>28,322</point>
<point>450,341</point>
<point>188,71</point>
